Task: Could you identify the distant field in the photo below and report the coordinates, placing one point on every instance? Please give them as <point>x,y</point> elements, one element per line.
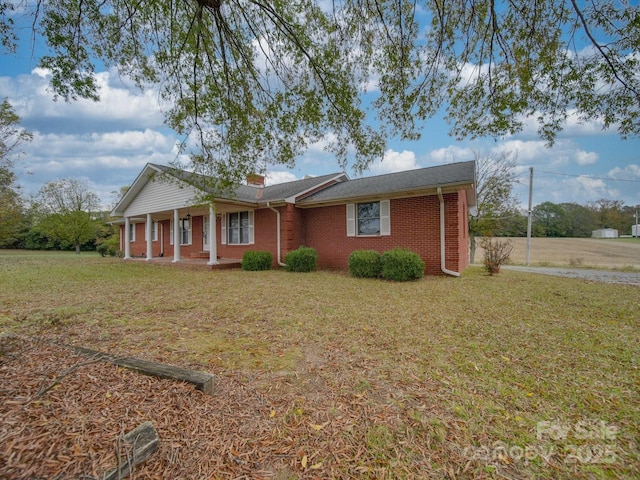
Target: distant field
<point>577,252</point>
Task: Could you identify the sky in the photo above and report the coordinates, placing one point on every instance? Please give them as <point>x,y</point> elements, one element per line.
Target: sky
<point>107,143</point>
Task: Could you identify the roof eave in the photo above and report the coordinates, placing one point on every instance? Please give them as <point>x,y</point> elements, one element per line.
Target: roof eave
<point>331,181</point>
<point>413,192</point>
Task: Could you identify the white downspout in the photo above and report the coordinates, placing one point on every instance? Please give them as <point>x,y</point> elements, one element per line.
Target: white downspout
<point>277,233</point>
<point>442,249</point>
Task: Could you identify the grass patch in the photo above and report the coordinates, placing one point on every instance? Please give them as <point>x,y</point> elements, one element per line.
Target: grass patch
<point>425,376</point>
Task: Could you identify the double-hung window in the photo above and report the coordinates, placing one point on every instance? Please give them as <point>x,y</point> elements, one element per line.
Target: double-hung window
<point>237,228</point>
<point>154,232</point>
<point>368,219</point>
<point>184,224</point>
<point>132,232</point>
<point>185,231</point>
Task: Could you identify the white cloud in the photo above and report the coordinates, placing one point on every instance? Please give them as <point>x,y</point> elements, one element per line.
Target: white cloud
<point>586,158</point>
<point>535,152</point>
<point>452,153</point>
<point>395,162</point>
<point>120,106</point>
<point>107,160</point>
<point>276,177</point>
<point>628,172</point>
<point>594,188</point>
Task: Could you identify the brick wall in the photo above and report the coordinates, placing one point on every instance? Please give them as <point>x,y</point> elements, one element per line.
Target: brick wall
<point>264,225</point>
<point>415,224</point>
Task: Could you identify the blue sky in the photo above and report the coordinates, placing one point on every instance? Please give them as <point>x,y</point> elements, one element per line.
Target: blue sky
<point>109,142</point>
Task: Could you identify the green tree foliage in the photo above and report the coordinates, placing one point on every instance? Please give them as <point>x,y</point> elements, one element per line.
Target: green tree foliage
<point>12,137</point>
<point>552,219</point>
<point>68,212</point>
<point>580,220</point>
<point>574,220</point>
<point>609,214</point>
<point>513,223</point>
<point>631,217</point>
<point>495,178</point>
<point>258,81</point>
<point>11,209</point>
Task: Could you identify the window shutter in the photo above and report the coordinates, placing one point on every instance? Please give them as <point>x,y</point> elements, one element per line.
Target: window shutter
<point>385,217</point>
<point>351,220</point>
<point>171,232</point>
<point>251,229</point>
<point>189,223</point>
<point>223,229</point>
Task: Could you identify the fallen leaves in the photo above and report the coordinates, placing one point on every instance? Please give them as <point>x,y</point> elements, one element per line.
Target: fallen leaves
<point>71,430</point>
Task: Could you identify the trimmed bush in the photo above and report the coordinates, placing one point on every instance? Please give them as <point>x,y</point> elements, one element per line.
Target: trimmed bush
<point>401,265</point>
<point>304,259</point>
<point>256,260</point>
<point>365,264</point>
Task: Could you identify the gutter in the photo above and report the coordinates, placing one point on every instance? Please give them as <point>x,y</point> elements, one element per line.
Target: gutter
<point>442,249</point>
<point>277,233</point>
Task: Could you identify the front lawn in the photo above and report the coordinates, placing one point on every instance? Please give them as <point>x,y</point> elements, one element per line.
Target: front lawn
<point>515,375</point>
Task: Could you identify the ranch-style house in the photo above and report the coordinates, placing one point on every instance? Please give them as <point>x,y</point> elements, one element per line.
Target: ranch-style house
<point>163,214</point>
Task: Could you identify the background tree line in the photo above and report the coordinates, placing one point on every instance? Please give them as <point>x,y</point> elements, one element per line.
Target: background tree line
<point>569,219</point>
<point>64,215</point>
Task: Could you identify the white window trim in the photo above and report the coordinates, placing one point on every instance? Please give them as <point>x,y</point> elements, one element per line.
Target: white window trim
<point>385,219</point>
<point>154,232</point>
<point>190,234</point>
<point>132,232</point>
<point>224,232</point>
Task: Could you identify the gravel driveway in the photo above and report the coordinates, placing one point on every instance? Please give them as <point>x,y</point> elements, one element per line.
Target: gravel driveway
<point>604,276</point>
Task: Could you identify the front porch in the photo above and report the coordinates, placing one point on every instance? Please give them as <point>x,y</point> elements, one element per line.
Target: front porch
<point>191,262</point>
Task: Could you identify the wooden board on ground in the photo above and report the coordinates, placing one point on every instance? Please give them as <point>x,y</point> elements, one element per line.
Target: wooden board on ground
<point>201,380</point>
<point>139,444</point>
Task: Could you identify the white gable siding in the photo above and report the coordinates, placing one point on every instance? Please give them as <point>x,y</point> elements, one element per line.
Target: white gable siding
<point>157,196</point>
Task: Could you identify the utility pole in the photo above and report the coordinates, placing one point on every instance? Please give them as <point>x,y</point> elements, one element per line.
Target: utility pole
<point>530,215</point>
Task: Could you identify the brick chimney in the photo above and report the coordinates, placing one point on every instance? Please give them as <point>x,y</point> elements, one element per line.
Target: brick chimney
<point>255,180</point>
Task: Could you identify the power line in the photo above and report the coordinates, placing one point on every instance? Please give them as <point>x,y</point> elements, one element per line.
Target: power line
<point>590,176</point>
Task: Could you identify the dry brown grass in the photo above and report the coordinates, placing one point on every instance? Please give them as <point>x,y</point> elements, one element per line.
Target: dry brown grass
<point>324,376</point>
<point>575,252</point>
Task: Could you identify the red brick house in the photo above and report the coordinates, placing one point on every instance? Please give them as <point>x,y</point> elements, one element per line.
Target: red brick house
<point>424,210</point>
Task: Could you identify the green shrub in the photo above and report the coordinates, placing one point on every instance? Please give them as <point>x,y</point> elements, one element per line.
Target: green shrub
<point>257,260</point>
<point>304,259</point>
<point>109,246</point>
<point>365,264</point>
<point>401,265</point>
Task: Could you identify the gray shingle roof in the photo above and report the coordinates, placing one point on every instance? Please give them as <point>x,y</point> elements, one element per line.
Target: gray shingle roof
<point>249,193</point>
<point>281,191</point>
<point>462,173</point>
<point>388,185</point>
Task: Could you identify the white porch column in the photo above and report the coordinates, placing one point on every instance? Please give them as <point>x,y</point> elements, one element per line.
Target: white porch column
<point>127,238</point>
<point>213,241</point>
<point>176,235</point>
<point>149,226</point>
